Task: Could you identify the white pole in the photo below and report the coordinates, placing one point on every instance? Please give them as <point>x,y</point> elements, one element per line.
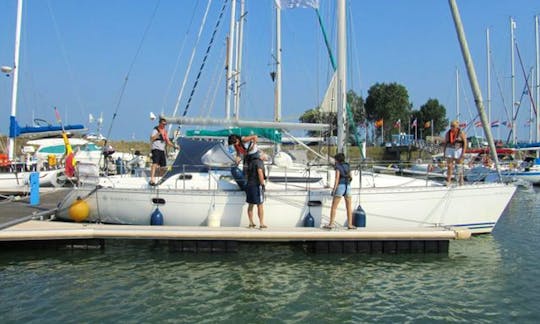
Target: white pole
<point>488,60</point>
<point>14,90</point>
<point>513,75</point>
<point>537,31</point>
<point>230,51</point>
<point>342,75</point>
<point>277,85</point>
<point>237,76</point>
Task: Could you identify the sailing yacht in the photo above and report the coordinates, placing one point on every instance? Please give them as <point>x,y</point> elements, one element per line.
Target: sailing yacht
<point>200,189</point>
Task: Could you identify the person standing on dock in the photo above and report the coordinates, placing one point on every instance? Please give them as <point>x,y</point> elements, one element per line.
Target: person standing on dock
<point>160,139</point>
<point>454,151</point>
<point>255,190</point>
<point>342,188</point>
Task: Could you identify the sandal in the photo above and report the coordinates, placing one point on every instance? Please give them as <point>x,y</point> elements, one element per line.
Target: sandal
<point>252,226</point>
<point>328,227</point>
<point>263,226</point>
<point>351,227</point>
<point>152,183</point>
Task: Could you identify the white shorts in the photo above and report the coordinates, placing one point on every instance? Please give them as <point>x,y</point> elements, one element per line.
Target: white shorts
<point>453,153</point>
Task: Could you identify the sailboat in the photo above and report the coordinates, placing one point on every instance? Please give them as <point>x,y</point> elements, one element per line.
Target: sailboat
<point>200,190</point>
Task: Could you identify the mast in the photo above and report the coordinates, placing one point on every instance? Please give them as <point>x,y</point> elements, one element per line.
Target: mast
<point>230,48</point>
<point>277,85</point>
<point>474,82</point>
<point>14,90</point>
<point>237,74</point>
<point>341,77</point>
<point>537,36</point>
<point>488,76</point>
<point>512,41</point>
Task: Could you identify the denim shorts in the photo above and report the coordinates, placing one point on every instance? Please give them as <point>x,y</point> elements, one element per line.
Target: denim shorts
<point>343,190</point>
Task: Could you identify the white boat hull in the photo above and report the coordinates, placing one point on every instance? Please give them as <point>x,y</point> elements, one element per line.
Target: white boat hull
<point>19,182</point>
<point>476,207</point>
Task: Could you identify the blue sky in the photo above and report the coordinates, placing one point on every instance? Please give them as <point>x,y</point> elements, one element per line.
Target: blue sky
<point>76,54</point>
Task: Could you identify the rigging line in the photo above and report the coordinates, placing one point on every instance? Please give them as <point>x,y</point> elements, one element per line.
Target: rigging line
<point>205,57</point>
<point>190,64</point>
<point>527,79</point>
<point>64,54</point>
<point>177,63</point>
<point>499,87</point>
<point>124,85</point>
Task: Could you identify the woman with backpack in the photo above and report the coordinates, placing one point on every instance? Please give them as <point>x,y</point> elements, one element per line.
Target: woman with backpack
<point>342,188</point>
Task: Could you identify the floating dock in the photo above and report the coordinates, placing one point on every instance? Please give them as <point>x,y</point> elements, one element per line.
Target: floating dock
<point>23,225</point>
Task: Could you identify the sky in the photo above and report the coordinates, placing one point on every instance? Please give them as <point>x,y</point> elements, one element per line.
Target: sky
<point>124,59</point>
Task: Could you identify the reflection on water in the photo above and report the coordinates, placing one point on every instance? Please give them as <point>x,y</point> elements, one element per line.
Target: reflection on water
<point>489,278</point>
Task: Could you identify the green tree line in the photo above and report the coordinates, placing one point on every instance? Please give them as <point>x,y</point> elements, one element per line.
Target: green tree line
<point>385,104</point>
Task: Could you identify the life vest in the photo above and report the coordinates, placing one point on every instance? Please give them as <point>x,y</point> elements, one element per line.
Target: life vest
<point>453,140</point>
<point>344,169</point>
<point>163,139</point>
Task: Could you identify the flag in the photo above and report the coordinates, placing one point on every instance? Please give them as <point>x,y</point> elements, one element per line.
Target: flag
<point>463,125</point>
<point>507,124</point>
<point>291,4</point>
<point>397,124</point>
<point>414,123</point>
<point>495,123</point>
<point>379,123</point>
<point>427,124</point>
<point>478,124</point>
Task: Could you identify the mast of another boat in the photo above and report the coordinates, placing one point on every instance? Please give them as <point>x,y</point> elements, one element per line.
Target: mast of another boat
<point>474,82</point>
<point>341,76</point>
<point>513,76</point>
<point>14,90</point>
<point>537,36</point>
<point>488,76</point>
<point>277,80</point>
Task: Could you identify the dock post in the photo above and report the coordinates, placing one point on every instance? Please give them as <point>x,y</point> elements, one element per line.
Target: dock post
<point>34,188</point>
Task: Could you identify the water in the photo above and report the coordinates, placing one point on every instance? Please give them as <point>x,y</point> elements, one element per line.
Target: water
<point>491,278</point>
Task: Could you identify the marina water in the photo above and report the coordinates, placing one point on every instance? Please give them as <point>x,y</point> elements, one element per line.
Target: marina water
<point>491,278</point>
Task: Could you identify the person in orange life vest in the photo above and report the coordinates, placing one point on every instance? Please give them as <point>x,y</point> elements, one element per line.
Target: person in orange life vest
<point>160,140</point>
<point>455,145</point>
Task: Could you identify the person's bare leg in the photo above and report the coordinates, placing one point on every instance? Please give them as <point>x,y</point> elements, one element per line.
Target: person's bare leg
<point>153,172</point>
<point>449,170</point>
<point>349,211</point>
<point>250,214</point>
<point>260,213</point>
<point>335,203</point>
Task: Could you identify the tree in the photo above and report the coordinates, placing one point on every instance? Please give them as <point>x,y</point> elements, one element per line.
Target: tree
<point>432,111</point>
<point>356,104</point>
<point>389,102</point>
